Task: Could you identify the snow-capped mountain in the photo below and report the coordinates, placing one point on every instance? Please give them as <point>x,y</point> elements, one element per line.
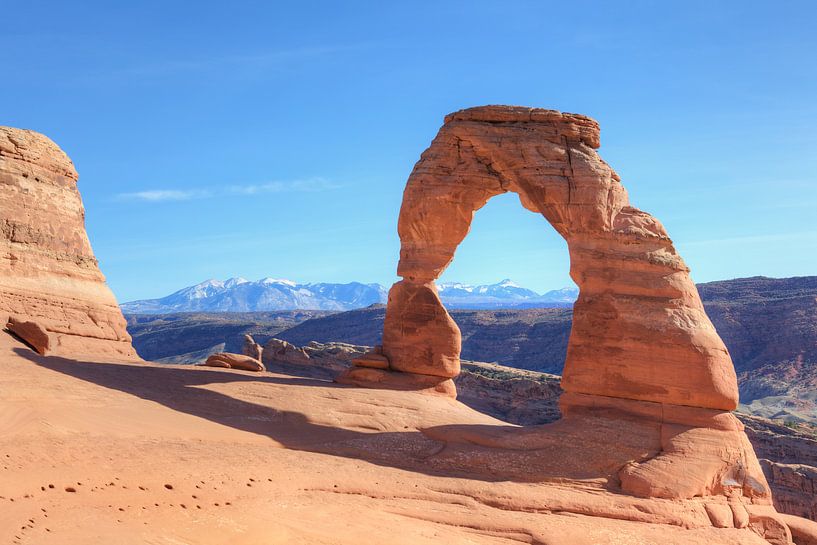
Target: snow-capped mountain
<point>458,295</point>
<point>268,294</point>
<point>504,294</point>
<point>241,295</point>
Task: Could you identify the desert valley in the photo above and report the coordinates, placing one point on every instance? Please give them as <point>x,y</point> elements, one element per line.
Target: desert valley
<point>651,410</point>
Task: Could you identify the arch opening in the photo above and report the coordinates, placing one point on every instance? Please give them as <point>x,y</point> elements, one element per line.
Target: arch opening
<point>509,260</point>
<point>507,242</point>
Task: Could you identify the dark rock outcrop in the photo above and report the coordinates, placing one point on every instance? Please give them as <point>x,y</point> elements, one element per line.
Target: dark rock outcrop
<point>163,336</point>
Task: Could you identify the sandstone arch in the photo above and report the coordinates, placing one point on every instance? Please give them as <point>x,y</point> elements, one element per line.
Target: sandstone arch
<point>642,351</point>
<point>639,329</point>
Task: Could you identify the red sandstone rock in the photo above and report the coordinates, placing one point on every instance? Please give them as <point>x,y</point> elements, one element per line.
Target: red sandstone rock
<point>368,377</point>
<point>48,272</point>
<point>234,361</point>
<point>215,362</point>
<point>283,352</point>
<point>803,531</point>
<point>33,334</point>
<point>641,348</point>
<point>372,360</point>
<point>418,334</point>
<point>639,329</point>
<point>252,348</point>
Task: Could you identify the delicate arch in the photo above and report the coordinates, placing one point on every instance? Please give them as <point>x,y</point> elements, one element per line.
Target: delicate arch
<point>639,328</point>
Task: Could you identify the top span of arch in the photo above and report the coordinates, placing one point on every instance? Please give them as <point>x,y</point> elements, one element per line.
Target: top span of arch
<point>574,127</point>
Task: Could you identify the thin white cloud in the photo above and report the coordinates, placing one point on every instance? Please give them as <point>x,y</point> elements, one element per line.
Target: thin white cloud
<point>307,185</point>
<point>160,195</point>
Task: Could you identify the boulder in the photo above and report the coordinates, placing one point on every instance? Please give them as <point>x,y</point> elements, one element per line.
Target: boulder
<point>33,334</point>
<point>315,358</point>
<point>277,350</point>
<point>252,348</point>
<point>234,361</point>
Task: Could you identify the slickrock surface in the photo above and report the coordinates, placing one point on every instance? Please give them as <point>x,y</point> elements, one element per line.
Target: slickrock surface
<point>642,352</point>
<point>788,454</point>
<point>48,273</point>
<point>143,453</point>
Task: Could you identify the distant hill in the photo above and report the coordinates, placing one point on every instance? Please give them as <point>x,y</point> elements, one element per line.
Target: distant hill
<point>271,294</point>
<point>534,339</point>
<point>192,336</point>
<point>769,326</point>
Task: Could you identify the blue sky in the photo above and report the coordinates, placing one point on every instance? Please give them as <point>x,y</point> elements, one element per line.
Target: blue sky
<point>262,139</point>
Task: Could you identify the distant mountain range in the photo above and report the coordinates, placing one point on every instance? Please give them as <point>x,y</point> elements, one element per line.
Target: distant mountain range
<point>504,294</point>
<point>769,326</point>
<point>267,294</point>
<point>274,294</point>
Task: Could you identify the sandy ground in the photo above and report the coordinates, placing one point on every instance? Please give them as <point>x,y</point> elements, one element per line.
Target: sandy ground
<point>94,452</point>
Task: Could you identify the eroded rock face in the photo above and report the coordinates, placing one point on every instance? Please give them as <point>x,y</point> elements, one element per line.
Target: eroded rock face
<point>48,272</point>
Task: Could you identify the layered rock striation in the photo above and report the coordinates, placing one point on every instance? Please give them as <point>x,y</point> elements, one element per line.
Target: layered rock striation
<point>52,293</point>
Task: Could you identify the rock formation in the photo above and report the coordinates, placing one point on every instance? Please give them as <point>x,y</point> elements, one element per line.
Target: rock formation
<point>316,359</point>
<point>642,351</point>
<point>252,348</point>
<point>51,287</point>
<point>373,359</point>
<point>634,288</point>
<point>281,351</point>
<point>234,361</point>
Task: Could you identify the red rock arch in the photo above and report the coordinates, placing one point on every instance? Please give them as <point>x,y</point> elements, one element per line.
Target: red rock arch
<point>639,329</point>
